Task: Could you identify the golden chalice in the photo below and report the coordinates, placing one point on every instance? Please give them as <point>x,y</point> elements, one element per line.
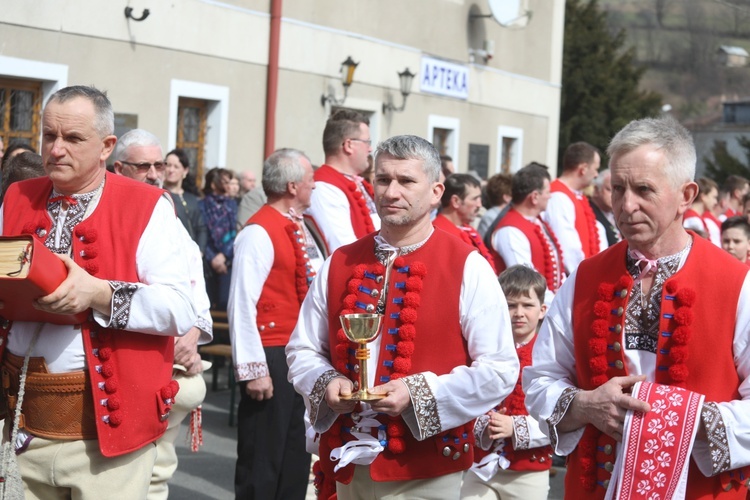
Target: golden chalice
<point>362,328</point>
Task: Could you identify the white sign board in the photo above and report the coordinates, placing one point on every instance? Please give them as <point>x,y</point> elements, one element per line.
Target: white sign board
<point>444,78</point>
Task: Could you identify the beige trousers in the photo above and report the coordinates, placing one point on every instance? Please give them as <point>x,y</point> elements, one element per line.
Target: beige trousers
<point>363,487</point>
<point>77,470</point>
<point>507,485</point>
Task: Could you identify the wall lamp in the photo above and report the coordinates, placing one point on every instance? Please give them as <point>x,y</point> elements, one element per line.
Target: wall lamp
<point>347,75</point>
<point>405,79</point>
<point>129,14</point>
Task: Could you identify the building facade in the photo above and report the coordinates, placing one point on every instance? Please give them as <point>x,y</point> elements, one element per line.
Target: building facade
<point>196,73</point>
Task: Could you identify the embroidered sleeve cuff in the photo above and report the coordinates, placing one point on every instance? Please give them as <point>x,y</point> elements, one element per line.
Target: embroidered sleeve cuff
<point>318,394</point>
<point>207,330</point>
<point>250,371</point>
<point>481,436</point>
<point>425,421</point>
<point>561,408</point>
<point>521,436</point>
<point>122,299</point>
<point>716,434</point>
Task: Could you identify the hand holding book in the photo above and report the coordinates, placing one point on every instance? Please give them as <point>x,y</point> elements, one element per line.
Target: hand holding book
<point>77,293</point>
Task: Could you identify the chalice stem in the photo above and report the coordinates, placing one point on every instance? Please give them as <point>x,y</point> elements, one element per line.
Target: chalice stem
<point>363,354</point>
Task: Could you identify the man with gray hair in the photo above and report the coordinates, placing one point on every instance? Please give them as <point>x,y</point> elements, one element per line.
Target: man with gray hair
<point>445,355</point>
<point>275,260</point>
<point>97,394</point>
<point>601,204</point>
<point>138,155</point>
<point>662,306</point>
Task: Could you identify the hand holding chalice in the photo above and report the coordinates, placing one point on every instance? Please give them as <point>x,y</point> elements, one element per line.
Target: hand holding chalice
<point>362,328</point>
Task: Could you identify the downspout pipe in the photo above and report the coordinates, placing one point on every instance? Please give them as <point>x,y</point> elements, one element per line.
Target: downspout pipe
<point>272,81</point>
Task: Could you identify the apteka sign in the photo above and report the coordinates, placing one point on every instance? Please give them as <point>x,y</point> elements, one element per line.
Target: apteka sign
<point>444,78</point>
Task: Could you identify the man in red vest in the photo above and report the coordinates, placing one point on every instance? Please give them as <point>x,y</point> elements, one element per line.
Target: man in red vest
<point>665,306</point>
<point>139,156</point>
<point>460,204</point>
<point>275,260</point>
<point>568,212</point>
<point>126,267</point>
<point>522,237</point>
<point>737,187</point>
<point>445,354</point>
<point>342,205</point>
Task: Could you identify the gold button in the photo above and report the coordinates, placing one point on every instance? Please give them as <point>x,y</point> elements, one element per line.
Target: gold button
<point>605,483</point>
<point>620,310</point>
<point>617,346</point>
<point>446,451</point>
<point>607,449</point>
<point>618,329</point>
<point>609,467</point>
<point>619,365</point>
<point>623,293</point>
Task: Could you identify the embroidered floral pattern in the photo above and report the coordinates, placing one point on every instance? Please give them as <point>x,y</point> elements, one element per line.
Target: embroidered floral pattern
<point>318,393</point>
<point>521,430</point>
<point>425,405</point>
<point>479,427</point>
<point>122,299</point>
<point>251,371</point>
<point>561,407</point>
<point>77,205</point>
<point>204,325</point>
<point>716,433</point>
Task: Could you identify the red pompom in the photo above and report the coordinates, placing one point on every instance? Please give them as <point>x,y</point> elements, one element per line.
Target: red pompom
<point>91,252</point>
<point>601,309</point>
<point>107,370</point>
<point>110,386</point>
<point>405,348</point>
<point>341,336</point>
<point>598,364</point>
<point>418,269</point>
<point>175,386</point>
<point>357,195</point>
<point>408,315</point>
<point>679,353</point>
<point>353,285</point>
<point>683,316</point>
<point>399,262</point>
<point>316,468</point>
<point>587,465</point>
<point>105,353</point>
<point>396,445</point>
<point>395,429</point>
<point>588,482</point>
<point>414,284</point>
<point>166,392</point>
<point>113,403</point>
<point>91,267</point>
<point>350,301</point>
<point>600,328</point>
<point>300,272</point>
<point>346,311</point>
<point>598,346</point>
<point>686,297</point>
<point>31,228</point>
<point>678,372</point>
<point>624,282</point>
<point>598,380</point>
<point>407,332</point>
<point>681,335</point>
<point>671,287</point>
<point>341,366</point>
<point>342,351</point>
<point>396,376</point>
<point>401,364</point>
<point>412,300</point>
<point>587,446</point>
<point>359,272</point>
<point>115,418</point>
<point>378,269</point>
<point>606,291</point>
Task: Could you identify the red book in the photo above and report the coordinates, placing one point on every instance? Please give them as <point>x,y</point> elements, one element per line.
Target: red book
<point>28,271</point>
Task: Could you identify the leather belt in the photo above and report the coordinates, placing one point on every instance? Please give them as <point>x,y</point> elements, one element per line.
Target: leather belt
<point>55,405</point>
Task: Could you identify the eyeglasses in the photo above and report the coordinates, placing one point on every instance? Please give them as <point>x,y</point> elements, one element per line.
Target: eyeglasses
<point>366,141</point>
<point>144,166</point>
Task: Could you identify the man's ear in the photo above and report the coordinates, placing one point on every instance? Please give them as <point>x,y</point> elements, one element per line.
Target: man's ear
<point>108,145</point>
<point>118,167</point>
<point>689,193</point>
<point>455,201</point>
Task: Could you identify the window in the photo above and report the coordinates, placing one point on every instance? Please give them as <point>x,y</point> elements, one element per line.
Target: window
<point>20,111</point>
<point>191,133</point>
<point>509,149</point>
<point>443,132</point>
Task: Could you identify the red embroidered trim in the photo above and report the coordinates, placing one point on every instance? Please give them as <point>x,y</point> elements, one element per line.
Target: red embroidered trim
<point>304,271</point>
<point>554,279</point>
<point>396,428</point>
<point>611,297</point>
<point>369,226</point>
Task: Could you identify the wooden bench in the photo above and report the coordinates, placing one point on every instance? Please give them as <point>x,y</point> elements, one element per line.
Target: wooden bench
<point>219,350</point>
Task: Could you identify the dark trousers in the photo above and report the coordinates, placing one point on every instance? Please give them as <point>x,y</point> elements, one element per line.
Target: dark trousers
<point>271,459</point>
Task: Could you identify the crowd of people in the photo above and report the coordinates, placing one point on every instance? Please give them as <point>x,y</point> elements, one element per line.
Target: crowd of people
<point>510,320</point>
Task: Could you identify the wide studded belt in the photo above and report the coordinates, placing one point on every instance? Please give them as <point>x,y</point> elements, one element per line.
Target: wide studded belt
<point>55,405</point>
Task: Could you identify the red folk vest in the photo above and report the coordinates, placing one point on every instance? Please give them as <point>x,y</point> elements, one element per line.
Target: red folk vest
<point>698,311</point>
<point>585,219</point>
<point>692,213</point>
<point>542,254</point>
<point>467,235</point>
<point>129,371</point>
<point>421,332</point>
<point>279,301</point>
<point>358,211</point>
<point>532,459</point>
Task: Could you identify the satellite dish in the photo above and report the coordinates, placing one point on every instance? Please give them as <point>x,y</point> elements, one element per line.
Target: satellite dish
<point>509,12</point>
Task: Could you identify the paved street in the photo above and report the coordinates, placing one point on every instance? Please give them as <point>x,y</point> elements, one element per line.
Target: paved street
<point>209,474</point>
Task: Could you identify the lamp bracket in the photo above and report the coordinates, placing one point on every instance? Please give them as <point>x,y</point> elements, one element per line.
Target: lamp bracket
<point>129,14</point>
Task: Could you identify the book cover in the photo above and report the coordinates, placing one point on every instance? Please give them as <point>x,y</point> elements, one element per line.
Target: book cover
<point>28,271</point>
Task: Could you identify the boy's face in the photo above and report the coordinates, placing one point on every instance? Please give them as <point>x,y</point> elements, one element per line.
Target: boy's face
<point>735,241</point>
<point>525,315</point>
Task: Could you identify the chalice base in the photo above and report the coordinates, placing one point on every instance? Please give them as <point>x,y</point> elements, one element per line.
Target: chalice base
<point>363,396</point>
